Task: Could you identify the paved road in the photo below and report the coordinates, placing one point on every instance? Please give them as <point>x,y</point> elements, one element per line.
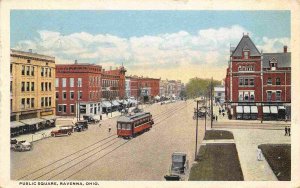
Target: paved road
<point>103,156</point>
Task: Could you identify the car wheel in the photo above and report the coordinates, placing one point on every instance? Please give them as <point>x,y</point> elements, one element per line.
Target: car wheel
<point>69,133</point>
<point>52,134</point>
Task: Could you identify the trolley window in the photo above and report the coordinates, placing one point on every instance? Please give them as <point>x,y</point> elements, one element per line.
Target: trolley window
<point>128,127</point>
<point>119,125</point>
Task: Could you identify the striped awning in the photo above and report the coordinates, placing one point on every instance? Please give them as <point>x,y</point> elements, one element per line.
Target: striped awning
<point>15,124</point>
<point>254,110</point>
<point>247,109</point>
<point>274,109</point>
<point>239,109</point>
<point>115,103</point>
<point>266,109</point>
<point>106,104</point>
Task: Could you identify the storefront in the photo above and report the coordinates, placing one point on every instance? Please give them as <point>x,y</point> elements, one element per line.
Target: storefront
<point>266,113</point>
<point>33,124</point>
<point>106,107</point>
<point>254,112</point>
<point>16,128</point>
<point>239,112</point>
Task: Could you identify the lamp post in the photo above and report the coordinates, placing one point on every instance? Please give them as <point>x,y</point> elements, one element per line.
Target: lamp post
<point>78,99</point>
<point>211,102</point>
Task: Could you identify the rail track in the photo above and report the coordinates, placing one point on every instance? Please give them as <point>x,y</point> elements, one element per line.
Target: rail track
<point>67,166</point>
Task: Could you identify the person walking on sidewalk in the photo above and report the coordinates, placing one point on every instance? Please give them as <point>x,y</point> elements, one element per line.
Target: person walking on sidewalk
<point>289,131</point>
<point>216,118</point>
<point>109,128</point>
<point>286,131</point>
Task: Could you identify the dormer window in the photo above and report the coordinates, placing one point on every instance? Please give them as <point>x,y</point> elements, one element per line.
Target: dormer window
<point>273,64</point>
<point>246,54</point>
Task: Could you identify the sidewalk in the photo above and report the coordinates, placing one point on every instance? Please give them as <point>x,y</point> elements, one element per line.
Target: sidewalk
<point>42,134</point>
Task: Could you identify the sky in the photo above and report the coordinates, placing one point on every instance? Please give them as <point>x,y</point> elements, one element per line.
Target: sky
<point>162,44</point>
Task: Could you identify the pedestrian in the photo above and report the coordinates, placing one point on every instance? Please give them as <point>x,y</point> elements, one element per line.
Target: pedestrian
<point>216,118</point>
<point>109,128</point>
<point>100,117</point>
<point>286,131</point>
<point>223,114</point>
<point>259,154</point>
<point>219,111</point>
<point>106,114</point>
<point>286,117</point>
<point>289,131</point>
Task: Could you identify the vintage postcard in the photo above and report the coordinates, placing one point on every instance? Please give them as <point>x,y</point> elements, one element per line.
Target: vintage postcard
<point>152,94</point>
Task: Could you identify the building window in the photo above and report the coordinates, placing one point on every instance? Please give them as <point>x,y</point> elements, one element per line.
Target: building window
<point>71,82</point>
<point>56,82</point>
<point>50,72</point>
<point>32,102</point>
<point>71,94</point>
<point>246,81</point>
<point>251,80</point>
<point>42,102</point>
<point>79,84</point>
<point>28,60</point>
<point>278,95</point>
<point>23,70</point>
<point>269,82</point>
<point>64,82</point>
<point>46,101</point>
<point>46,86</point>
<point>246,55</point>
<point>46,72</point>
<point>11,83</point>
<point>50,86</point>
<point>246,96</point>
<point>269,95</point>
<point>28,86</point>
<point>72,108</point>
<point>32,71</point>
<point>80,94</point>
<point>50,102</point>
<point>23,86</point>
<point>241,98</point>
<point>42,86</point>
<point>23,103</point>
<point>278,81</point>
<point>64,108</point>
<point>252,97</point>
<point>11,68</point>
<point>42,71</point>
<point>32,86</point>
<point>59,108</point>
<point>28,70</point>
<point>64,95</point>
<point>56,95</point>
<point>241,81</point>
<point>28,103</point>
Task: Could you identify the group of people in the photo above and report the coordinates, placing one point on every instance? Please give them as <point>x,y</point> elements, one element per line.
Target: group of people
<point>287,131</point>
<point>222,111</point>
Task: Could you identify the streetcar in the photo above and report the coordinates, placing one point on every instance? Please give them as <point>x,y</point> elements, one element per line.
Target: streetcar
<point>132,125</point>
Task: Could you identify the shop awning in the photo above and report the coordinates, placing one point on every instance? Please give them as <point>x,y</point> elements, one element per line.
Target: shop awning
<point>254,110</point>
<point>266,109</point>
<point>239,109</point>
<point>15,124</point>
<point>281,108</point>
<point>274,109</point>
<point>247,109</point>
<point>32,121</point>
<point>106,104</point>
<point>157,97</point>
<point>115,103</point>
<point>49,117</point>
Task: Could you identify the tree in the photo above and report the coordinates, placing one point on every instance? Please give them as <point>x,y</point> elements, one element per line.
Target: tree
<point>199,87</point>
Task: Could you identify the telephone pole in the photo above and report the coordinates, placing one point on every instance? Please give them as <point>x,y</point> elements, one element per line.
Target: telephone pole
<point>211,102</point>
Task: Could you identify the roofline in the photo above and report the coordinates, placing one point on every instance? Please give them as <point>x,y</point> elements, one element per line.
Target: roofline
<point>239,44</point>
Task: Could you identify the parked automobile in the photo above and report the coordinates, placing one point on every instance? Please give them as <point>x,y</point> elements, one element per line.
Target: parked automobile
<point>20,145</point>
<point>179,167</point>
<point>81,126</point>
<point>63,130</point>
<point>90,119</point>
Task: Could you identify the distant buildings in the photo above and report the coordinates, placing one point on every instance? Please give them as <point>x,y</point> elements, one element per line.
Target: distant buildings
<point>32,91</point>
<point>171,88</point>
<point>143,88</point>
<point>258,85</point>
<point>219,93</point>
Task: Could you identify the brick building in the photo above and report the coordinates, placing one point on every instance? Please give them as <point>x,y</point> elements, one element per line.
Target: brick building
<point>78,85</point>
<point>171,88</point>
<point>32,92</point>
<point>143,88</point>
<point>258,85</point>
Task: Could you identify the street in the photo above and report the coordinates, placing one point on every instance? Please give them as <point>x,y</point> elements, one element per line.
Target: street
<point>97,154</point>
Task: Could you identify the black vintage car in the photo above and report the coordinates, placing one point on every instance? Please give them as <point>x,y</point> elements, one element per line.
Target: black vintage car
<point>81,126</point>
<point>90,119</point>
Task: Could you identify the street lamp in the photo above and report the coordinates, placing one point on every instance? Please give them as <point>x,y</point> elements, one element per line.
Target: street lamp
<point>78,99</point>
<point>211,102</point>
<point>197,111</point>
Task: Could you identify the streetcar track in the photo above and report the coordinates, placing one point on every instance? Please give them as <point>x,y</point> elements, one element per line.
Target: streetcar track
<point>167,114</point>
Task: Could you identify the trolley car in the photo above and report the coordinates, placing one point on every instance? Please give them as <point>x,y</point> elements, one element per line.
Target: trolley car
<point>132,125</point>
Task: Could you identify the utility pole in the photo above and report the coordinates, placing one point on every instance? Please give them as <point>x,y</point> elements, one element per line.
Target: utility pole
<point>196,131</point>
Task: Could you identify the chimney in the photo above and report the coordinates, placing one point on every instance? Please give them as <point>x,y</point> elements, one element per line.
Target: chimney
<point>30,50</point>
<point>76,61</point>
<point>285,49</point>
